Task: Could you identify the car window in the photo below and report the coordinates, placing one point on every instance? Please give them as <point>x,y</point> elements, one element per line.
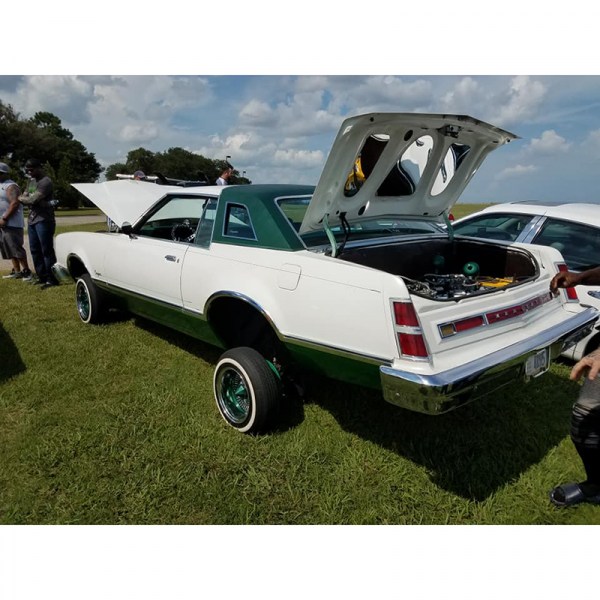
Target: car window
<point>578,243</point>
<point>494,226</point>
<point>238,223</point>
<point>294,209</point>
<point>175,219</point>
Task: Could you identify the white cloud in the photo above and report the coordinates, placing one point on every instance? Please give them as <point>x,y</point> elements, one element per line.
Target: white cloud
<point>549,143</point>
<point>521,101</point>
<point>61,95</point>
<point>300,159</point>
<point>516,171</point>
<point>138,133</point>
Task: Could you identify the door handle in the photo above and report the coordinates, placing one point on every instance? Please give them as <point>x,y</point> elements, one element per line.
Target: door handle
<point>171,258</point>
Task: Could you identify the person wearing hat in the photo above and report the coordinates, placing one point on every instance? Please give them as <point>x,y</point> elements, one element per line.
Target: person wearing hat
<point>12,225</point>
<point>41,223</point>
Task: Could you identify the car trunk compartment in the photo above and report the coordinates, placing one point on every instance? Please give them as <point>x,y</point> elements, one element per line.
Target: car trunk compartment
<point>447,269</point>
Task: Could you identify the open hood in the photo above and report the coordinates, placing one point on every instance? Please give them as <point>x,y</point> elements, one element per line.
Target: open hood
<point>127,200</point>
<point>400,164</point>
<point>122,200</point>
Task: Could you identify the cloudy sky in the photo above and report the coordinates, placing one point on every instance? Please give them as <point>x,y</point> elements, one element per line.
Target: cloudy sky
<point>280,128</point>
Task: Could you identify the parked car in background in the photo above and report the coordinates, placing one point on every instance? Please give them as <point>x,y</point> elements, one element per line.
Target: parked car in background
<point>573,229</point>
<point>354,279</point>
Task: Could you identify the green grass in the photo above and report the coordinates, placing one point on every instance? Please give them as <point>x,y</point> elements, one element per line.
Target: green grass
<point>117,424</point>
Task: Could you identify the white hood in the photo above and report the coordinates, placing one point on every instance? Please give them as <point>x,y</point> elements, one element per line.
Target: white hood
<point>127,200</point>
<point>405,164</point>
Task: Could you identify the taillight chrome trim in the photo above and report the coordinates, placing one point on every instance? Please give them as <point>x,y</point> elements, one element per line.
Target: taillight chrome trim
<point>449,328</point>
<point>414,329</point>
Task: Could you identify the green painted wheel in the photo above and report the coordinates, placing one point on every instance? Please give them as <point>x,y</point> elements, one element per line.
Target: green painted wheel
<point>246,389</point>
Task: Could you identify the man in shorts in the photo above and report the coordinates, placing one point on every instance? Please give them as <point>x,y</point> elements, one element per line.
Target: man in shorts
<point>11,226</point>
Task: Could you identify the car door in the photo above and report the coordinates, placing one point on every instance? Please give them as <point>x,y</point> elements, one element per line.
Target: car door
<point>149,261</point>
<point>580,246</point>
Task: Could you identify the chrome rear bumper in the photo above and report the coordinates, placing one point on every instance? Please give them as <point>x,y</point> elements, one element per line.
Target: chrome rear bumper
<point>440,392</point>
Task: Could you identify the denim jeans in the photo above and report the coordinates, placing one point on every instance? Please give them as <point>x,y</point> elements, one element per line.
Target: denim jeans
<point>41,245</point>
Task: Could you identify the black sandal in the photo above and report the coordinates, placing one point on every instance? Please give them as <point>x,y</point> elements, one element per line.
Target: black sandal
<point>570,494</point>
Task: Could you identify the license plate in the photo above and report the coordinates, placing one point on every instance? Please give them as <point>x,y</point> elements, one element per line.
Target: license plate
<point>537,363</point>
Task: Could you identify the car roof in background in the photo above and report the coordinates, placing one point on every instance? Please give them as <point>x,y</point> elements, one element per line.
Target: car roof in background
<point>571,211</point>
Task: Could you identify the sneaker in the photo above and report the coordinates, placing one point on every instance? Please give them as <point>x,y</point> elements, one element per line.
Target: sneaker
<point>12,275</point>
<point>23,274</point>
<point>48,284</point>
<point>31,278</point>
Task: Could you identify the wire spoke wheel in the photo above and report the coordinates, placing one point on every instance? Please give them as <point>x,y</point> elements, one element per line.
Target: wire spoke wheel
<point>233,393</point>
<point>246,390</point>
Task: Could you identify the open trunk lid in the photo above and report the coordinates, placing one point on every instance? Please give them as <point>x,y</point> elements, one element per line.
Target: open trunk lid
<point>390,164</point>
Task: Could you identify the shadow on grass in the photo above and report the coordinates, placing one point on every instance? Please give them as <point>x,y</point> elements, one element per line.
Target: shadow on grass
<point>472,451</point>
<point>10,359</point>
<point>291,410</point>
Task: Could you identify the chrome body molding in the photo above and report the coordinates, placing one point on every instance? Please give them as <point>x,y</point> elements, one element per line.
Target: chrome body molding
<point>244,298</point>
<point>440,392</point>
<point>334,351</point>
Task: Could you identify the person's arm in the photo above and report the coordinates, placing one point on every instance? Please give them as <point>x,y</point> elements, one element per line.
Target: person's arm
<point>12,193</point>
<point>591,362</point>
<point>43,192</point>
<point>567,279</point>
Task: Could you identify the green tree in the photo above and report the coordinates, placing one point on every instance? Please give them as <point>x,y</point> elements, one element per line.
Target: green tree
<point>44,137</point>
<point>176,163</point>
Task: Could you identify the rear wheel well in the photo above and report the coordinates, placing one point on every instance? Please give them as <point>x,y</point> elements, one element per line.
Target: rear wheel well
<point>76,267</point>
<point>237,323</point>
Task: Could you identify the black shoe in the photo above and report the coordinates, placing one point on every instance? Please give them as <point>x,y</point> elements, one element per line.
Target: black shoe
<point>48,284</point>
<point>25,273</point>
<point>12,275</point>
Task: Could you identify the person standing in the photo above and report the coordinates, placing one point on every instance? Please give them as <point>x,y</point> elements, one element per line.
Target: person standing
<point>41,223</point>
<point>226,173</point>
<point>12,224</point>
<point>585,415</point>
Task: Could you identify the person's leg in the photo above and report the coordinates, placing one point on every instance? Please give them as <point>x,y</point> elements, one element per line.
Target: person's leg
<point>46,231</point>
<point>585,435</point>
<point>35,247</point>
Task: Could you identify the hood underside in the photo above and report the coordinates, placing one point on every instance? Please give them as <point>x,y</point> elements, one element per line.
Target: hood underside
<point>125,201</point>
<point>403,164</point>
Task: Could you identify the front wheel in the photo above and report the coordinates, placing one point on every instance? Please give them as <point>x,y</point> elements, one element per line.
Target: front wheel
<point>247,390</point>
<point>89,301</point>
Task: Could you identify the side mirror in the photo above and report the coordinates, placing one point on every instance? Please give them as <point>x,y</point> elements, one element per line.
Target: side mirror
<point>127,229</point>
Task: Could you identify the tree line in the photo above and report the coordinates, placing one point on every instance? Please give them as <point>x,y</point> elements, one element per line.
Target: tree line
<point>67,161</point>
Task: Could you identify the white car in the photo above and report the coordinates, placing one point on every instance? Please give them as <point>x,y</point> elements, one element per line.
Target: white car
<point>573,229</point>
<point>354,279</point>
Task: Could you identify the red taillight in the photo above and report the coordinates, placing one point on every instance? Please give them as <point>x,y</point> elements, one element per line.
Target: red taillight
<point>451,217</point>
<point>469,323</point>
<point>405,314</point>
<point>571,292</point>
<point>408,330</point>
<point>412,345</point>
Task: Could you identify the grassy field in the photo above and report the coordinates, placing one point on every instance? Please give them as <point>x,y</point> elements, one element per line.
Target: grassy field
<point>117,424</point>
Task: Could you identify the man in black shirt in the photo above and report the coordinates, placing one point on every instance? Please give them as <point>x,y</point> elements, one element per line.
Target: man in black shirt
<point>41,223</point>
